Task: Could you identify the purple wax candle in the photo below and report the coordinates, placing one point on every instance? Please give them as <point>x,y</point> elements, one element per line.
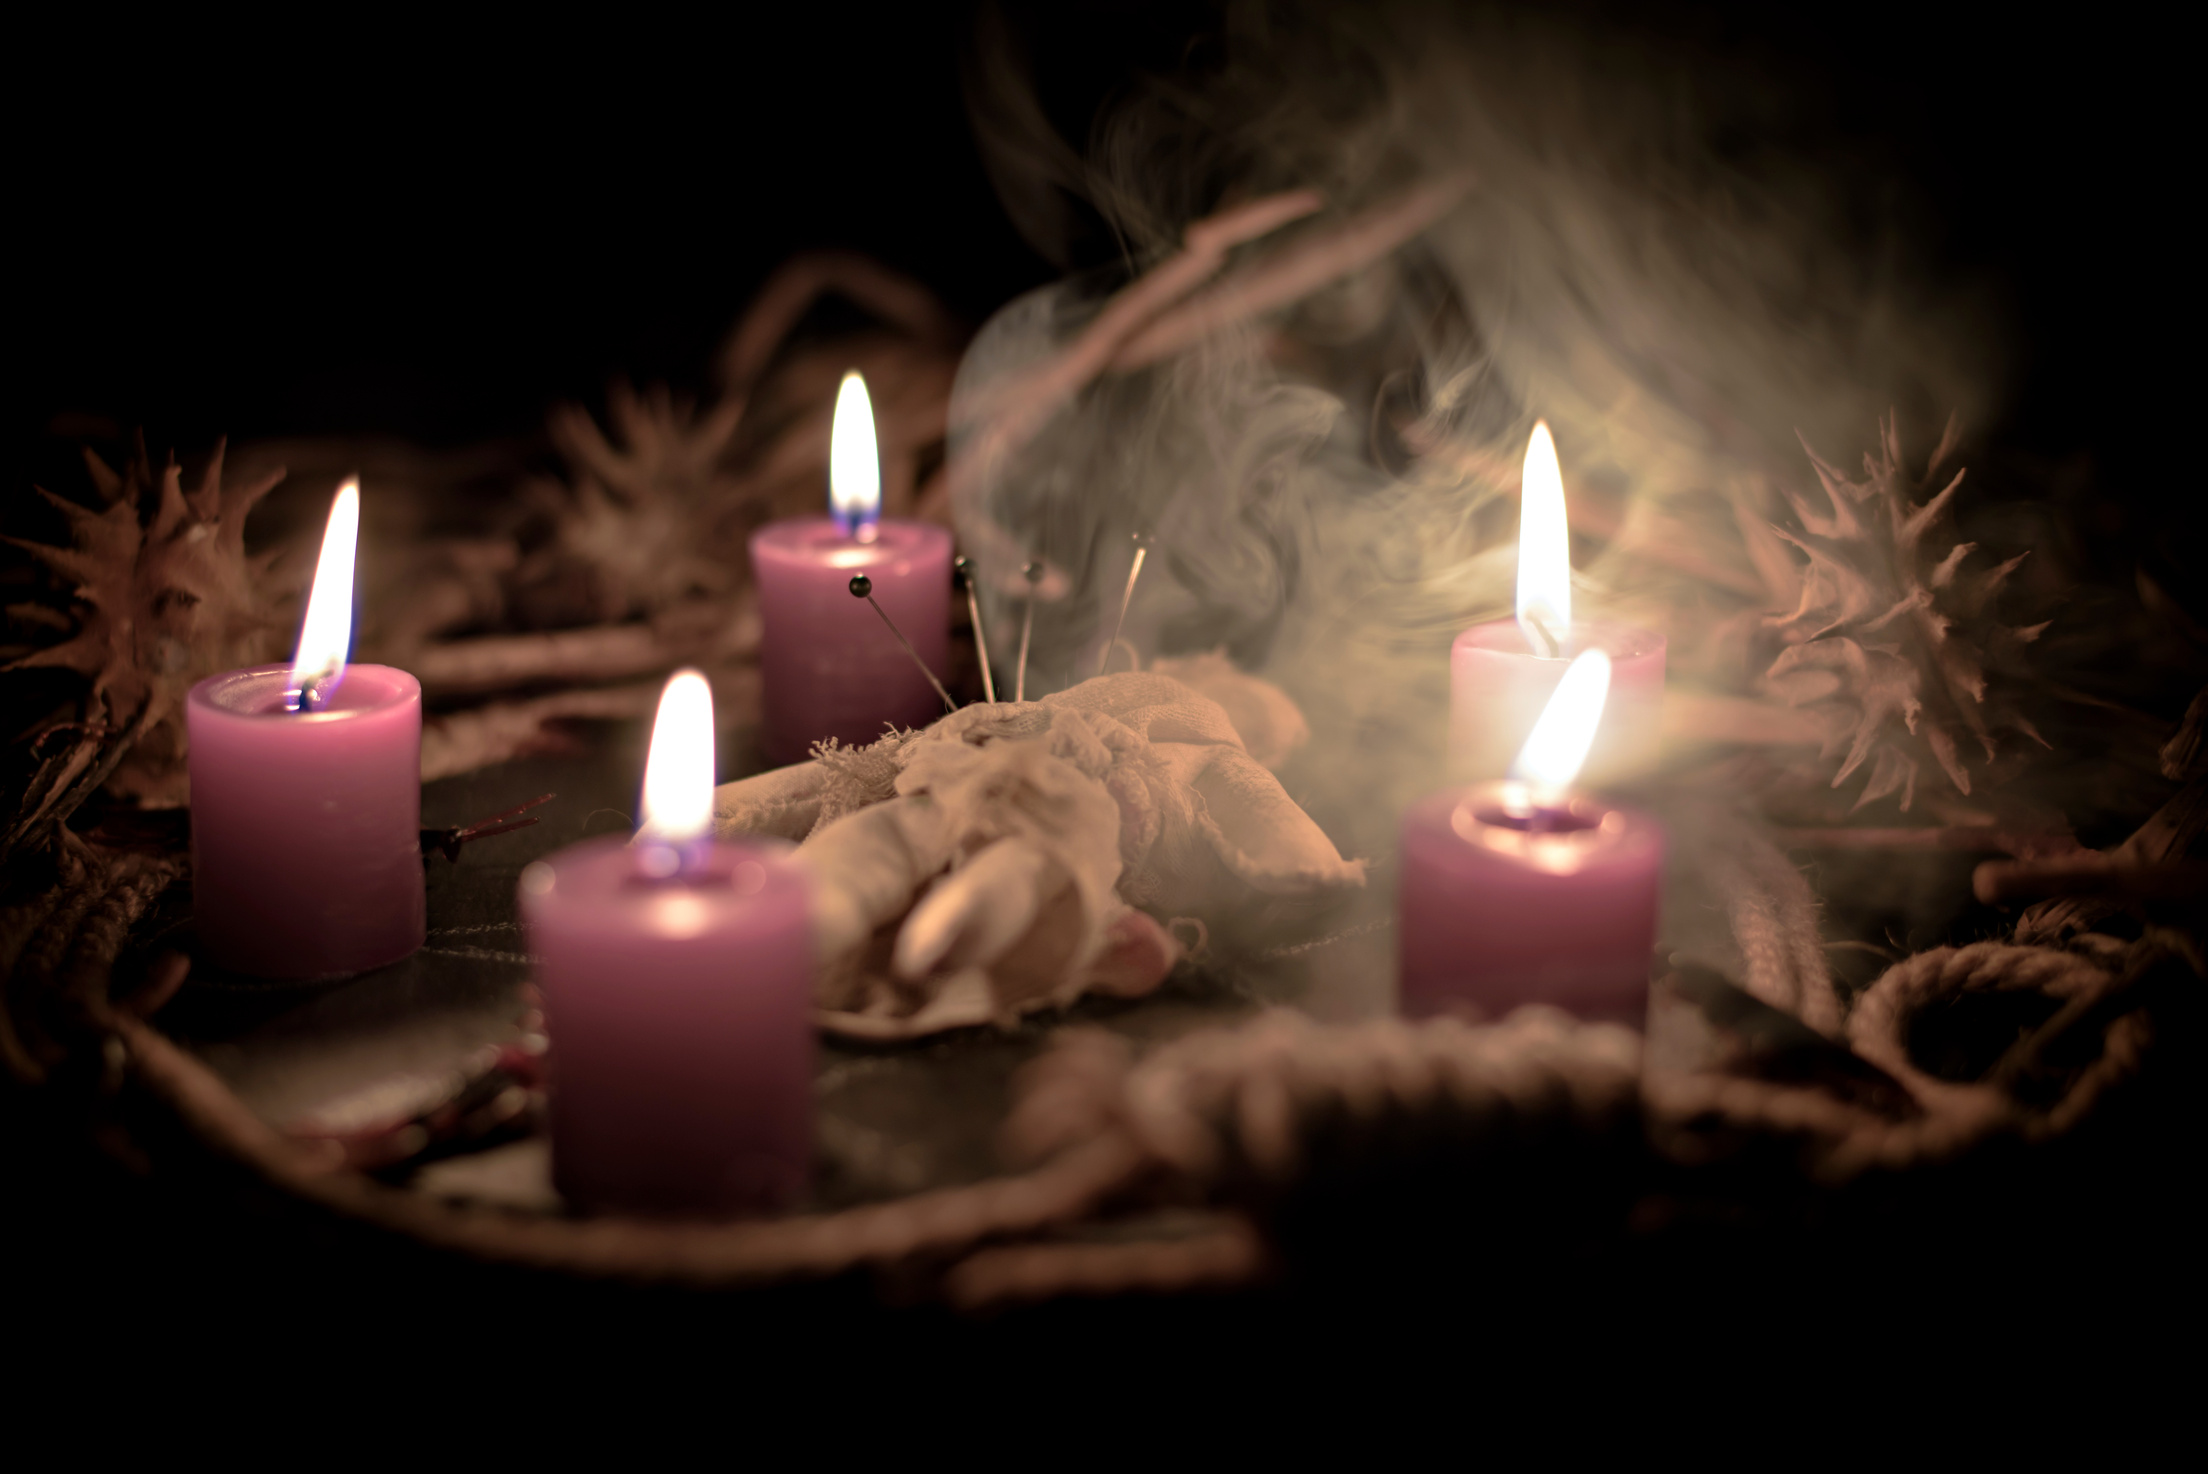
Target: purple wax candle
<point>306,825</point>
<point>680,1015</point>
<point>307,796</point>
<point>1507,899</point>
<point>678,992</point>
<point>828,667</point>
<point>1523,892</point>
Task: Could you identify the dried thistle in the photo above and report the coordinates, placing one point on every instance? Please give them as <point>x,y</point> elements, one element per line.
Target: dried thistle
<point>160,593</point>
<point>637,530</point>
<point>1894,647</point>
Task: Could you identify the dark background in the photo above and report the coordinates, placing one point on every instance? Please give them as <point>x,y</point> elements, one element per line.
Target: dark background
<point>434,232</point>
<point>412,228</point>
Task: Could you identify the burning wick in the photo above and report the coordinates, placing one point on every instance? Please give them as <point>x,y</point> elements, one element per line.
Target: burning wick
<point>1544,639</point>
<point>1142,551</point>
<point>965,567</point>
<point>678,781</point>
<point>862,587</point>
<point>1544,550</point>
<point>1033,573</point>
<point>319,665</point>
<point>854,463</point>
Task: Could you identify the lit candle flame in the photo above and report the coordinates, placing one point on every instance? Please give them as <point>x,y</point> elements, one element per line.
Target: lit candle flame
<point>678,774</point>
<point>1558,744</point>
<point>854,464</point>
<point>326,633</point>
<point>1544,550</point>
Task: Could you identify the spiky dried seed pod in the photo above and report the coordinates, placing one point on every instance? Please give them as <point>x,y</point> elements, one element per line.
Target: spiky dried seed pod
<point>161,594</point>
<point>1894,647</point>
<point>640,529</point>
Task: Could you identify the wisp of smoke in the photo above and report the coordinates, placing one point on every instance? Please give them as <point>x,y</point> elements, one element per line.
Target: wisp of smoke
<point>1330,487</point>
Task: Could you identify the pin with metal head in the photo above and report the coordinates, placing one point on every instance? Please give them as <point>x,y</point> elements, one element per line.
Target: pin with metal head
<point>1033,572</point>
<point>862,587</point>
<point>1142,551</point>
<point>965,567</point>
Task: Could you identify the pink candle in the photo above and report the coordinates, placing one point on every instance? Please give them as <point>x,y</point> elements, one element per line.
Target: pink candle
<point>306,826</point>
<point>306,798</point>
<point>1501,674</point>
<point>828,666</point>
<point>677,978</point>
<point>1497,687</point>
<point>1521,892</point>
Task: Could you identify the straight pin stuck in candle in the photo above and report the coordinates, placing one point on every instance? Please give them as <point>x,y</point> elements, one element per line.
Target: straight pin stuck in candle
<point>965,567</point>
<point>326,634</point>
<point>862,587</point>
<point>1033,573</point>
<point>1134,571</point>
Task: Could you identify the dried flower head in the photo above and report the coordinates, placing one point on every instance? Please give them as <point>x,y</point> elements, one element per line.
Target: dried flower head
<point>160,593</point>
<point>1895,647</point>
<point>638,530</point>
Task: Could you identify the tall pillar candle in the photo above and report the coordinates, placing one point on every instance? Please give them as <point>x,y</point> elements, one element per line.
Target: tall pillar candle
<point>677,974</point>
<point>828,667</point>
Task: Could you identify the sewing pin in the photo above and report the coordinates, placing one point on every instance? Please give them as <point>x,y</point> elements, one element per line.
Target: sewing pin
<point>862,587</point>
<point>1033,573</point>
<point>965,567</point>
<point>1142,551</point>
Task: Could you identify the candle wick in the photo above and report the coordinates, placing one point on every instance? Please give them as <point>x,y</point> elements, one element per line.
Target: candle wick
<point>1142,551</point>
<point>307,697</point>
<point>965,567</point>
<point>663,861</point>
<point>1555,646</point>
<point>862,587</point>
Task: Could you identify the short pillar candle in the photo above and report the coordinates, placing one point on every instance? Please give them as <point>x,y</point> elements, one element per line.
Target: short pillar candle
<point>1523,891</point>
<point>828,668</point>
<point>1505,901</point>
<point>680,1015</point>
<point>306,825</point>
<point>827,665</point>
<point>678,992</point>
<point>307,796</point>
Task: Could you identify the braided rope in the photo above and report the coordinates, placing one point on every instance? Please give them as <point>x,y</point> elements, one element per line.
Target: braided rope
<point>1878,1028</point>
<point>1773,914</point>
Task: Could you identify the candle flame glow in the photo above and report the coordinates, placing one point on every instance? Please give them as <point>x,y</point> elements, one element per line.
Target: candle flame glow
<point>1558,744</point>
<point>854,464</point>
<point>678,775</point>
<point>1544,549</point>
<point>324,636</point>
